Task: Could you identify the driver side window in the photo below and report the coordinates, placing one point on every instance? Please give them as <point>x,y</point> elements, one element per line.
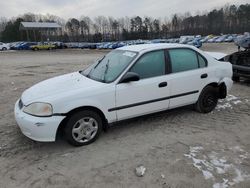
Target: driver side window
<point>151,64</point>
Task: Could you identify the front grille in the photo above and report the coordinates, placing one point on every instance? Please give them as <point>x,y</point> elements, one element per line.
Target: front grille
<point>20,104</point>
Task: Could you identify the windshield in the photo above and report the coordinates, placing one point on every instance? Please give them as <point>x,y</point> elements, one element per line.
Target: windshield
<point>110,66</point>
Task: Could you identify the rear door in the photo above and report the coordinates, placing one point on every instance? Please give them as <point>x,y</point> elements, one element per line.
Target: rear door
<point>189,75</point>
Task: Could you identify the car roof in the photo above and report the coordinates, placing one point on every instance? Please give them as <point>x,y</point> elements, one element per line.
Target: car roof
<point>149,47</point>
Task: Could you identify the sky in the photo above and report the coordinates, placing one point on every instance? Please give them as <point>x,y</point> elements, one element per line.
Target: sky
<point>115,8</point>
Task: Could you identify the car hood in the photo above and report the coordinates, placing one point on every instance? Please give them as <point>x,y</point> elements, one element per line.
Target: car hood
<point>57,86</point>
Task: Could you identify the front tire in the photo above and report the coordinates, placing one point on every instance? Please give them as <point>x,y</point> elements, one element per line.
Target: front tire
<point>208,100</point>
<point>83,128</point>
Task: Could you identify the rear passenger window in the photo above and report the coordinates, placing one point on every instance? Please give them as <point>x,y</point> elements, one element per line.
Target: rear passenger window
<point>183,60</point>
<point>202,61</point>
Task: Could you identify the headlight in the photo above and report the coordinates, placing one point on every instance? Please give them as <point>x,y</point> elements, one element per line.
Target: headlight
<point>39,109</point>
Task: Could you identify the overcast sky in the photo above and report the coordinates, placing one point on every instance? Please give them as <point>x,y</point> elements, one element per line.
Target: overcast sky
<point>116,8</point>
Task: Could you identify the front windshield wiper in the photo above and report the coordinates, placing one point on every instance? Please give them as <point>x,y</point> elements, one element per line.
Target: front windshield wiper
<point>106,70</point>
<point>99,61</point>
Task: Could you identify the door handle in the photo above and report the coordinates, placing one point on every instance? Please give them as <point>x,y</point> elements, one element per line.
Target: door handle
<point>163,84</point>
<point>204,76</point>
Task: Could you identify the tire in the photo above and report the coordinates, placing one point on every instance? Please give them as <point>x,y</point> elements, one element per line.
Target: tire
<point>83,128</point>
<point>208,100</point>
<point>236,78</point>
<point>4,49</point>
<point>36,49</point>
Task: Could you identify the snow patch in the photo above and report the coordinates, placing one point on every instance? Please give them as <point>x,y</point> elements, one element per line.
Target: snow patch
<point>237,102</point>
<point>213,167</point>
<point>228,102</point>
<point>224,106</point>
<point>207,174</point>
<point>231,98</point>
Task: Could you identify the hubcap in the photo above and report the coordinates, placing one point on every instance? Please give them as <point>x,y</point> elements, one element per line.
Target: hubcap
<point>85,129</point>
<point>209,101</point>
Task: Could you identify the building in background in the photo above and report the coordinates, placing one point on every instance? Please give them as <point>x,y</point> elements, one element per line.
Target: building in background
<point>41,31</point>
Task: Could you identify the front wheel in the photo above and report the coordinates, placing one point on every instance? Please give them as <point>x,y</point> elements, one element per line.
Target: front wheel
<point>208,100</point>
<point>83,128</point>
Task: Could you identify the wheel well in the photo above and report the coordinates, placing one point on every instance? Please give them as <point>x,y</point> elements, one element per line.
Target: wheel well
<point>70,113</point>
<point>222,89</point>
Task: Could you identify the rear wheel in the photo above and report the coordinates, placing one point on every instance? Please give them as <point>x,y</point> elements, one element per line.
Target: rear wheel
<point>208,100</point>
<point>83,128</point>
<point>4,49</point>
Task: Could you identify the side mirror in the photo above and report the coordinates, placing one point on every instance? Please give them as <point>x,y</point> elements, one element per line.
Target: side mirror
<point>129,77</point>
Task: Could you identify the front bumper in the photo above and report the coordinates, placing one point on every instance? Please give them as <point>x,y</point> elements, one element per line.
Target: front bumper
<point>42,129</point>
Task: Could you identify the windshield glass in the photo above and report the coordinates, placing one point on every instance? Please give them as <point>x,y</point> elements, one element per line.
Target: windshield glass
<point>110,66</point>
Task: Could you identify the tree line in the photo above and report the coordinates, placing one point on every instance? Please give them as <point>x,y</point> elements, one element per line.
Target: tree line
<point>229,19</point>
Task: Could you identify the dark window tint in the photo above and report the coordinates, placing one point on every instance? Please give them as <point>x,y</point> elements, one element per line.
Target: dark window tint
<point>150,65</point>
<point>183,60</point>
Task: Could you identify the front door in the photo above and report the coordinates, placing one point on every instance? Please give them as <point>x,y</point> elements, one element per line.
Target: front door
<point>149,94</point>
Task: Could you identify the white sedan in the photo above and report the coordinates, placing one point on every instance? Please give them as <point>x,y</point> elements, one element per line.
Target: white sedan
<point>4,46</point>
<point>128,82</point>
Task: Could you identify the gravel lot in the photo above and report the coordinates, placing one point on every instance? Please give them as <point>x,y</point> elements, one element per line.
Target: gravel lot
<point>179,148</point>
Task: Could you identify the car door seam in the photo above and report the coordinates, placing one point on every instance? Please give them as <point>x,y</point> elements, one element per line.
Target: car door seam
<point>152,101</point>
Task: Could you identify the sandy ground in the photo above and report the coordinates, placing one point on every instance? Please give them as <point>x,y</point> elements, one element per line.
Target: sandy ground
<point>179,148</point>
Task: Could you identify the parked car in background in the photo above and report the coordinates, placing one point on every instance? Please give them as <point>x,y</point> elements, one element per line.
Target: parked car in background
<point>59,45</point>
<point>204,39</point>
<point>84,45</point>
<point>212,40</point>
<point>241,59</point>
<point>230,38</point>
<point>72,45</point>
<point>176,40</point>
<point>15,44</point>
<point>118,45</point>
<point>127,82</point>
<point>4,46</point>
<point>155,41</point>
<point>93,45</point>
<point>106,45</point>
<point>196,42</point>
<point>243,41</point>
<point>12,45</point>
<point>241,64</point>
<point>43,46</point>
<point>221,38</point>
<point>186,39</point>
<point>24,46</point>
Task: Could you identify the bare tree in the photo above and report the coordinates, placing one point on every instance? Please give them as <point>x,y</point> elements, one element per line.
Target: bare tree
<point>229,19</point>
<point>3,23</point>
